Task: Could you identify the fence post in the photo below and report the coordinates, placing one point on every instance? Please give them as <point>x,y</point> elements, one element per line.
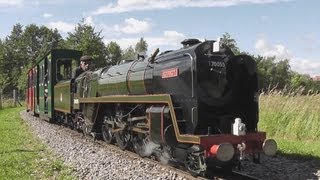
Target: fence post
<point>14,98</point>
<point>0,98</point>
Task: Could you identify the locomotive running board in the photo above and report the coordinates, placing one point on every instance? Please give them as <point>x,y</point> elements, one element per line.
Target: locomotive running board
<point>148,99</point>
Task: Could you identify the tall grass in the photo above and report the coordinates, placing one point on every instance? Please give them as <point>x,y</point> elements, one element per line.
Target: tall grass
<point>293,120</point>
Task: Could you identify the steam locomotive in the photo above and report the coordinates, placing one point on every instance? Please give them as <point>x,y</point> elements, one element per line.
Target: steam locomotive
<point>196,106</point>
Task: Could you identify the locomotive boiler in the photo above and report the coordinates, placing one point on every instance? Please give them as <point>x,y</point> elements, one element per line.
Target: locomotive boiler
<point>196,106</point>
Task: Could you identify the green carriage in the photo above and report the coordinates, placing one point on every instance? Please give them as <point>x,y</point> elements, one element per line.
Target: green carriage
<point>51,76</point>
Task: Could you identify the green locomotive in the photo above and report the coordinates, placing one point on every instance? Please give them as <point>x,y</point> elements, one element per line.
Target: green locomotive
<point>197,106</point>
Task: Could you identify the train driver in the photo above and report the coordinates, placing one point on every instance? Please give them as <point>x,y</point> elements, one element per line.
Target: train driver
<point>85,62</point>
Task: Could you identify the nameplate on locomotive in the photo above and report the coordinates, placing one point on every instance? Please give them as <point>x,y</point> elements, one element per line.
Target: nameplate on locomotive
<point>169,73</point>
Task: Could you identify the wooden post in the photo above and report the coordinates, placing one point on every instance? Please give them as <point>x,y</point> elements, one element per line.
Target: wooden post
<point>14,98</point>
<point>0,98</point>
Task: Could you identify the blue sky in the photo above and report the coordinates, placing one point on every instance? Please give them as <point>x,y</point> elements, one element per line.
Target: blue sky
<point>283,28</point>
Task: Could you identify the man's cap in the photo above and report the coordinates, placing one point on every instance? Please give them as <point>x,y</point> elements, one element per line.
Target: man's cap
<point>86,58</point>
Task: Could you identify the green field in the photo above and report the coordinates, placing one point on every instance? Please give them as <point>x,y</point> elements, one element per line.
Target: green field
<point>293,121</point>
<point>22,156</point>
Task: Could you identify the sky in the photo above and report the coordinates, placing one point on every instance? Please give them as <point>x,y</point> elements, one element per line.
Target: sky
<point>287,29</point>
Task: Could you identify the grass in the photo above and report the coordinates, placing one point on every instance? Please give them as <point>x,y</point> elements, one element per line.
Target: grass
<point>22,156</point>
<point>9,103</point>
<point>293,121</point>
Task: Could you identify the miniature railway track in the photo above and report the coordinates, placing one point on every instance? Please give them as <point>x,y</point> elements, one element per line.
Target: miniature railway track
<point>234,175</point>
<point>179,170</point>
<point>132,154</point>
<point>217,175</point>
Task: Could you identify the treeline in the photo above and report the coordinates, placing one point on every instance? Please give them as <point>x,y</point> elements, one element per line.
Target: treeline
<point>20,49</point>
<point>275,74</point>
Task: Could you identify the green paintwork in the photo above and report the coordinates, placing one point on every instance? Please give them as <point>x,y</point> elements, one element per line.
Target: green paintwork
<point>62,100</point>
<point>125,79</point>
<point>46,78</point>
<point>147,99</point>
<point>41,88</point>
<point>36,90</point>
<point>128,99</point>
<point>138,74</point>
<point>50,92</point>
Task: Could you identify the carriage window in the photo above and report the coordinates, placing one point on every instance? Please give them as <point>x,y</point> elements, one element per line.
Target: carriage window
<point>65,68</point>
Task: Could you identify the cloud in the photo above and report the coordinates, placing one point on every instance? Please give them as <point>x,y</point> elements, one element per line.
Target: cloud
<point>265,49</point>
<point>309,42</point>
<point>129,26</point>
<point>298,64</point>
<point>169,40</point>
<point>47,15</point>
<point>133,26</point>
<point>138,5</point>
<point>305,66</point>
<point>265,19</point>
<point>89,21</point>
<point>9,3</point>
<point>62,26</point>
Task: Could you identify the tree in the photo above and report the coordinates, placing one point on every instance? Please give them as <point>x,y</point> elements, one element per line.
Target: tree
<point>141,47</point>
<point>13,58</point>
<point>305,82</point>
<point>114,53</point>
<point>3,76</point>
<point>39,40</point>
<point>230,42</point>
<point>273,73</point>
<point>282,73</point>
<point>90,42</point>
<point>20,51</point>
<point>129,53</point>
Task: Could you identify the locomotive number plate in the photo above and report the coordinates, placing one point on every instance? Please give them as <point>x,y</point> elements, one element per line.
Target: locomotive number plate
<point>218,64</point>
<point>169,73</point>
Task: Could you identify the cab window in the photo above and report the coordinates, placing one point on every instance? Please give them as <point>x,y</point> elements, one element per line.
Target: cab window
<point>65,68</point>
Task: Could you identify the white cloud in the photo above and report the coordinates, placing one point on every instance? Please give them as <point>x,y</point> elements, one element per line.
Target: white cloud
<point>133,26</point>
<point>309,42</point>
<point>8,3</point>
<point>265,19</point>
<point>47,15</point>
<point>62,26</point>
<point>138,5</point>
<point>169,40</point>
<point>129,26</point>
<point>305,66</point>
<point>265,49</point>
<point>89,21</point>
<point>300,65</point>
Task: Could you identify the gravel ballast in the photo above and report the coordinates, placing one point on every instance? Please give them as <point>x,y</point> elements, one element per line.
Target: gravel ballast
<point>96,160</point>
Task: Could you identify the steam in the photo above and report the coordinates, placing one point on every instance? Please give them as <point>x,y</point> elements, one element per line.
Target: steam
<point>164,158</point>
<point>150,147</point>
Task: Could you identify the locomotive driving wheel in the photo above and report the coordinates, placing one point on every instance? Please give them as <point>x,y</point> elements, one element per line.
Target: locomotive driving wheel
<point>122,139</point>
<point>195,161</point>
<point>106,131</point>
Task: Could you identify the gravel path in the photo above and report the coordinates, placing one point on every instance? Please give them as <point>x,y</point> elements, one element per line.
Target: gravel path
<point>100,161</point>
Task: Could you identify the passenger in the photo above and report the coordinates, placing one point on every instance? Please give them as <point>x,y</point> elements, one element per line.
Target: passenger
<point>84,65</point>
